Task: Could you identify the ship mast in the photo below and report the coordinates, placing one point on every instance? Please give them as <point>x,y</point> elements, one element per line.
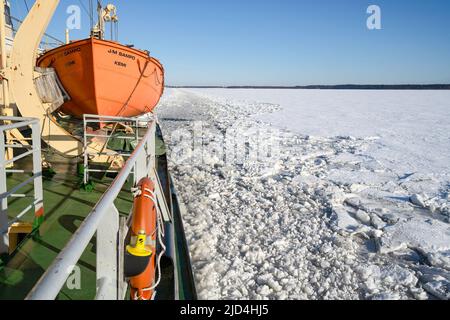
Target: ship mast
<point>105,14</point>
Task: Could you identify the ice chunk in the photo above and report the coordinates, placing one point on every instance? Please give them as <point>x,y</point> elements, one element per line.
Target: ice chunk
<point>418,200</point>
<point>363,217</point>
<point>439,288</point>
<point>416,233</point>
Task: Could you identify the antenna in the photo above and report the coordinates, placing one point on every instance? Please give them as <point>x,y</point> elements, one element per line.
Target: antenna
<point>91,13</point>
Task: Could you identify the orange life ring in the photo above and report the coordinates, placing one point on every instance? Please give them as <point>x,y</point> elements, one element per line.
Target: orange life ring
<point>144,236</point>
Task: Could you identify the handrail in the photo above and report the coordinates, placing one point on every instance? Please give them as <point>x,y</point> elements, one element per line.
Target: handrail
<point>53,280</point>
<point>108,120</point>
<point>20,123</point>
<point>95,118</point>
<point>8,124</point>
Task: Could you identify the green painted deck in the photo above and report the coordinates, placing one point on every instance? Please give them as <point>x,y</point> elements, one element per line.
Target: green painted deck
<point>66,206</point>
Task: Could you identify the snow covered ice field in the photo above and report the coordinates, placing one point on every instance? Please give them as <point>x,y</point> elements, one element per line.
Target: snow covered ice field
<point>353,202</point>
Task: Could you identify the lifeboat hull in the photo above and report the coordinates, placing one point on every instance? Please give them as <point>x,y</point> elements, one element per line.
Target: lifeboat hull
<point>105,78</point>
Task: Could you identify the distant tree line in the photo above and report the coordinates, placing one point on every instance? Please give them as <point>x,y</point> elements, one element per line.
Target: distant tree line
<point>335,87</point>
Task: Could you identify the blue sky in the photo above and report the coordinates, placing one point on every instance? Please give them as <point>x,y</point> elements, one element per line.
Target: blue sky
<point>283,42</point>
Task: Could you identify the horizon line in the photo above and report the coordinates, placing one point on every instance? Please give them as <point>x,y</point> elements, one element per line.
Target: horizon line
<point>437,86</point>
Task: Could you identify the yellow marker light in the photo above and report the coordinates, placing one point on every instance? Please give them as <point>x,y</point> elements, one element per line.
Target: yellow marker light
<point>140,249</point>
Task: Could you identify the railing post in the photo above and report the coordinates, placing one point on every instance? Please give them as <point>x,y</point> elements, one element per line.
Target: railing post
<point>108,255</point>
<point>4,224</point>
<point>135,174</point>
<point>37,172</point>
<point>140,169</point>
<point>122,282</point>
<point>85,155</point>
<point>151,151</point>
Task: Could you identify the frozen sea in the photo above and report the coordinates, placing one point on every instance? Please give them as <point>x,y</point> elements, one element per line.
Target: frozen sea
<point>353,203</point>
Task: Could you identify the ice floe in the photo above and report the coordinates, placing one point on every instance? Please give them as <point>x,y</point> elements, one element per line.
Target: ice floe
<point>325,216</point>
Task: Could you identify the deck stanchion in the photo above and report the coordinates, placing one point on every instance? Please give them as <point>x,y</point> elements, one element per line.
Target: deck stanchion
<point>37,172</point>
<point>107,255</point>
<point>4,224</point>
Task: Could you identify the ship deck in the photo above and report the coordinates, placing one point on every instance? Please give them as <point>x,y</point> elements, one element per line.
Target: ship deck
<point>66,206</point>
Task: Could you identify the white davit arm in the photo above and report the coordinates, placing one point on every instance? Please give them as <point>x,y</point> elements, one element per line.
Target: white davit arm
<point>21,76</point>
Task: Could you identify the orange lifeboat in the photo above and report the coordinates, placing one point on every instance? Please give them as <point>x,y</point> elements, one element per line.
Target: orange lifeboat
<point>106,78</point>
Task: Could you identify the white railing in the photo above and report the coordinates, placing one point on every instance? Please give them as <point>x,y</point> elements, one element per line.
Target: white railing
<point>103,221</point>
<point>136,124</point>
<point>32,149</point>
